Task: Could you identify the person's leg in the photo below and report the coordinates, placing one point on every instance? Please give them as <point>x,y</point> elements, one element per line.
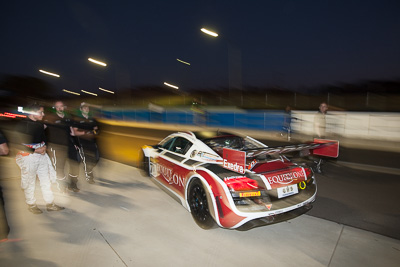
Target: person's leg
<point>91,158</point>
<point>73,175</point>
<point>59,155</point>
<point>44,179</point>
<point>45,184</point>
<point>28,166</point>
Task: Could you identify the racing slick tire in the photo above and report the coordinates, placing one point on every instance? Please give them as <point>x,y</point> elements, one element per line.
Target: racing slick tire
<point>198,203</point>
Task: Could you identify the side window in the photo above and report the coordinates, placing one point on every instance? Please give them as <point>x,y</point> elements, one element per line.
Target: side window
<point>168,143</point>
<point>181,145</point>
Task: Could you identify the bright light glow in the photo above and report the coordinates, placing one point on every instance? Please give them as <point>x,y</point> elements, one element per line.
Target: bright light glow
<point>108,91</point>
<point>11,115</point>
<point>187,63</point>
<point>70,92</point>
<point>171,85</point>
<point>214,34</point>
<point>90,93</point>
<point>97,62</point>
<point>21,109</point>
<point>50,73</point>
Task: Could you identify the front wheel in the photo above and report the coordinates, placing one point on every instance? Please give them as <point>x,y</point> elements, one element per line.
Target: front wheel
<point>198,203</point>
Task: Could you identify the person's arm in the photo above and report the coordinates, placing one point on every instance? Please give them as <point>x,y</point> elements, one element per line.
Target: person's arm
<point>41,150</point>
<point>4,149</point>
<point>79,132</point>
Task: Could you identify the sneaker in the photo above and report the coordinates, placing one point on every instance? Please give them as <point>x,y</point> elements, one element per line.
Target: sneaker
<point>34,209</point>
<point>53,207</point>
<point>73,188</point>
<point>90,179</point>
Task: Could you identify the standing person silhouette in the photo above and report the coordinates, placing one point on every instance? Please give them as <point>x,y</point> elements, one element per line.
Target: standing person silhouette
<point>59,139</point>
<point>34,161</point>
<point>320,121</point>
<point>4,227</point>
<point>85,129</point>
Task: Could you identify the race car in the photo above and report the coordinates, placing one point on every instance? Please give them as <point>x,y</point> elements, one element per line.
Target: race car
<point>232,181</point>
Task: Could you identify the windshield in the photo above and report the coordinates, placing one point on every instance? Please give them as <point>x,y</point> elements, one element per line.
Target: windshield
<point>232,142</point>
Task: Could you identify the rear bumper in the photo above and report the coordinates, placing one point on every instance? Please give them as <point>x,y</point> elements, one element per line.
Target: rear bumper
<point>275,218</point>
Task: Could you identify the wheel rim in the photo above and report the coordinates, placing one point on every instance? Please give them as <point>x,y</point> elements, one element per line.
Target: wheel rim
<point>198,203</point>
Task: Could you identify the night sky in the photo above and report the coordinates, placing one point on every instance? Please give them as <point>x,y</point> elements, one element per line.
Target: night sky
<point>292,44</point>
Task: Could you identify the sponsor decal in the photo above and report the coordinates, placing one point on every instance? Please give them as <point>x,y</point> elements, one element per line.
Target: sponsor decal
<point>234,160</point>
<point>251,165</point>
<point>250,194</point>
<point>169,176</point>
<point>35,145</point>
<point>286,178</point>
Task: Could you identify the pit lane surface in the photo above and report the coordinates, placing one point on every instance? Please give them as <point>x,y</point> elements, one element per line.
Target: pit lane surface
<point>352,190</point>
<point>126,220</point>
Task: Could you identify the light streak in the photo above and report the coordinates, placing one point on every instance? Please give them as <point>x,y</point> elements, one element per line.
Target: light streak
<point>108,91</point>
<point>214,34</point>
<point>171,85</point>
<point>97,62</point>
<point>50,73</point>
<point>90,93</point>
<point>70,92</point>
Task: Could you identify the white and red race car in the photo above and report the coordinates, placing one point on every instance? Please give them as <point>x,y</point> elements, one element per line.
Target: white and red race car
<point>232,181</point>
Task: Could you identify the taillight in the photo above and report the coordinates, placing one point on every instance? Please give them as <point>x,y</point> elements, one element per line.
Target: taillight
<point>241,184</point>
<point>308,172</point>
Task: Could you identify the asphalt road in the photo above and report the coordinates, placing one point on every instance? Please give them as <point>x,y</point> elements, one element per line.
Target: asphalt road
<point>359,189</point>
<point>125,219</point>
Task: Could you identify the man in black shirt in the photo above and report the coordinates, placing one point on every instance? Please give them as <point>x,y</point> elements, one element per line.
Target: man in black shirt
<point>59,139</point>
<point>33,160</point>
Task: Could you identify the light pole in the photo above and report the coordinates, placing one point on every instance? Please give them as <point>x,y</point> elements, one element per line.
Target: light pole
<point>234,63</point>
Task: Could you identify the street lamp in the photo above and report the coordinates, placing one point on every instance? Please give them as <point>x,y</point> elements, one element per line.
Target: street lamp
<point>234,63</point>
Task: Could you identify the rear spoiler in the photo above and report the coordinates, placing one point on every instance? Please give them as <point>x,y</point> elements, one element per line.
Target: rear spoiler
<point>320,147</point>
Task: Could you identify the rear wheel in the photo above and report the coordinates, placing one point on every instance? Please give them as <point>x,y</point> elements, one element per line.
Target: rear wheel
<point>198,203</point>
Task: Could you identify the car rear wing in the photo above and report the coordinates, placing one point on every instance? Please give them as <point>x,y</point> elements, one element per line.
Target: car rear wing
<point>320,147</point>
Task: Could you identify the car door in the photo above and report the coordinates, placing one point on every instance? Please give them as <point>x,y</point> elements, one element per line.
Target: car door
<point>172,171</point>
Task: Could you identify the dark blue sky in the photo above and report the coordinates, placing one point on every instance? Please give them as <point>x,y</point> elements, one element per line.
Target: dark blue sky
<point>282,43</point>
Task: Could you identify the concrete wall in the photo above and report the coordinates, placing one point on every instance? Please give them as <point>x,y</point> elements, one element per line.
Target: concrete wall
<point>365,125</point>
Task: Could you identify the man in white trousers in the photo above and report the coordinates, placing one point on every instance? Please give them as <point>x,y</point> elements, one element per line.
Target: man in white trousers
<point>33,160</point>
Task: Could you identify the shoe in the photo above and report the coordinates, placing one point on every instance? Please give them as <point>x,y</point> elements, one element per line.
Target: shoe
<point>34,209</point>
<point>90,179</point>
<point>73,188</point>
<point>53,207</point>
